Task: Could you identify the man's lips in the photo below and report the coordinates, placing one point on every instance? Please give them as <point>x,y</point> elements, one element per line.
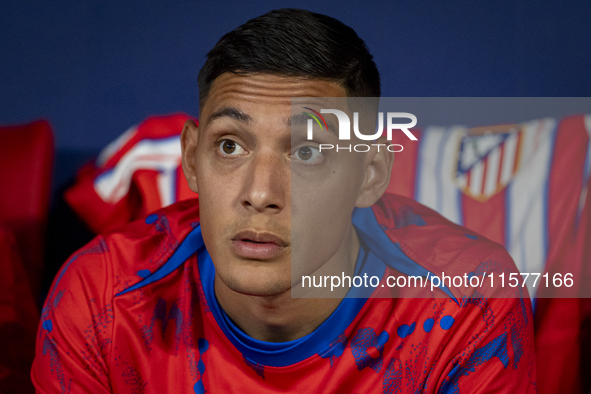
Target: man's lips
<point>258,245</point>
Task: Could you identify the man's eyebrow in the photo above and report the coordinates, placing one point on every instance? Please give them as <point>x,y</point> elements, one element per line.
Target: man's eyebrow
<point>230,112</point>
<point>302,119</point>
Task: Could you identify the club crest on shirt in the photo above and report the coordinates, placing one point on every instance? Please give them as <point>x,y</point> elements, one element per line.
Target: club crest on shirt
<point>487,160</point>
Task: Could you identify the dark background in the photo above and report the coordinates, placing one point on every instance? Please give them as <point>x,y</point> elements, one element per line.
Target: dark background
<point>94,68</point>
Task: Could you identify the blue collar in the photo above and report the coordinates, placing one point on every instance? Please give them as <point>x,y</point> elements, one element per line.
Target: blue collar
<point>280,354</point>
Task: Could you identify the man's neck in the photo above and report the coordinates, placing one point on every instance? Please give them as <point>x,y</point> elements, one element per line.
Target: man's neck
<point>281,318</point>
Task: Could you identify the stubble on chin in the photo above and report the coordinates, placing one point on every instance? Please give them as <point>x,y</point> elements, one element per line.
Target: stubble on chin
<point>251,277</point>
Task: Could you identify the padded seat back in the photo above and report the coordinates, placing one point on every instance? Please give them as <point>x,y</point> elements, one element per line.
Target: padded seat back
<point>26,163</point>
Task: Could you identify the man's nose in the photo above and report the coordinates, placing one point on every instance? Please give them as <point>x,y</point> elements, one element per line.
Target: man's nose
<point>267,185</point>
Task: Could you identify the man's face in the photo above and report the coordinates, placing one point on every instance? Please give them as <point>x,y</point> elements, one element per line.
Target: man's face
<point>242,163</point>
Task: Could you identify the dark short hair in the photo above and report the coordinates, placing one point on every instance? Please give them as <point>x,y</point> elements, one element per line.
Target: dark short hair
<point>292,42</point>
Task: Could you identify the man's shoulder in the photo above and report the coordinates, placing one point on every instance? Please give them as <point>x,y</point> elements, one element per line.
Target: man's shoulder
<point>141,247</point>
<point>135,250</point>
<point>433,241</point>
<point>85,320</point>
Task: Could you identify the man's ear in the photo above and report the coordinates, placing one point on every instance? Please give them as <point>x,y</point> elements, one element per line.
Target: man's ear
<point>189,137</point>
<point>377,174</point>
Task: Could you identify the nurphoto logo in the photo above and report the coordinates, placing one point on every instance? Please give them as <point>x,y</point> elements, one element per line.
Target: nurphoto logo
<point>344,129</point>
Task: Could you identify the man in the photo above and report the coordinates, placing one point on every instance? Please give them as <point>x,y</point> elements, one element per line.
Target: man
<point>198,296</point>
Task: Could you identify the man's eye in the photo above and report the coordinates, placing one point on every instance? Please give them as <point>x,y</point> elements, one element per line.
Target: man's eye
<point>308,154</point>
<point>229,147</point>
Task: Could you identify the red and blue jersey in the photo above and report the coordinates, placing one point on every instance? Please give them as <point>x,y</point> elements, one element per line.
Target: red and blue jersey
<point>135,312</point>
